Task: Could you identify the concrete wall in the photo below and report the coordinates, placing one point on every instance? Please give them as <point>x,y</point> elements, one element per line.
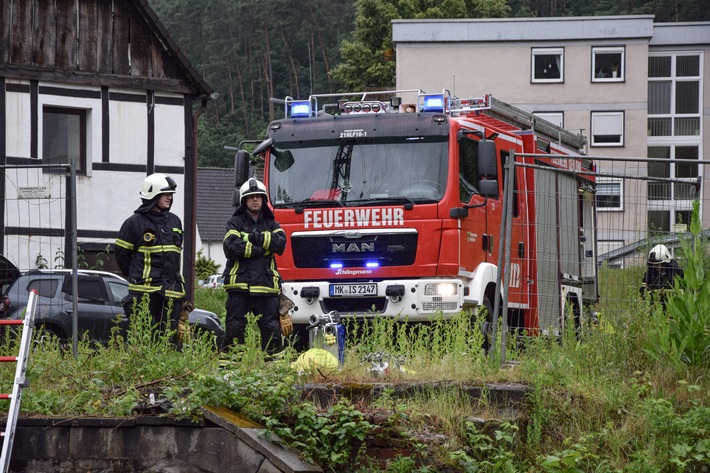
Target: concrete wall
<point>147,444</point>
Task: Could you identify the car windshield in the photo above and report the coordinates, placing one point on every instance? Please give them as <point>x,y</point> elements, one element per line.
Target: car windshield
<point>352,172</point>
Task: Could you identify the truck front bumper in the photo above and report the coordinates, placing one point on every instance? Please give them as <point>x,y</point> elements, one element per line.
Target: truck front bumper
<point>416,300</point>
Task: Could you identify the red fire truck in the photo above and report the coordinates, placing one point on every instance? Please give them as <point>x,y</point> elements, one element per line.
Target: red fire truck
<point>392,202</point>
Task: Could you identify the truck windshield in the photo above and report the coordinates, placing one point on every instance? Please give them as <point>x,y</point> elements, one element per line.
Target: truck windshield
<point>358,172</point>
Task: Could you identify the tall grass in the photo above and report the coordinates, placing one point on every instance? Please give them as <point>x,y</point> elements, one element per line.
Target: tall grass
<point>626,394</point>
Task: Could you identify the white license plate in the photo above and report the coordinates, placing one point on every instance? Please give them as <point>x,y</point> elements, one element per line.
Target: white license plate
<point>353,290</point>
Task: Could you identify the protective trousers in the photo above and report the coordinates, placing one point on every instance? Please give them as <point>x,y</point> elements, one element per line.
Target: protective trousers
<point>239,304</point>
<point>165,316</point>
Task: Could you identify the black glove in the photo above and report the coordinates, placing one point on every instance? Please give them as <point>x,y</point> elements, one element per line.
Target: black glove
<point>257,238</point>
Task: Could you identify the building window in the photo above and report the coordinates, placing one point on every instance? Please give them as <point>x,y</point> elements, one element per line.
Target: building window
<point>610,194</point>
<point>556,118</point>
<point>608,64</point>
<point>607,129</point>
<point>64,137</point>
<point>674,95</point>
<point>678,164</point>
<point>547,65</point>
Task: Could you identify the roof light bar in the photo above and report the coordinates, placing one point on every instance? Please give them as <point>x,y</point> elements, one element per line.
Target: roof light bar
<point>433,103</point>
<point>300,109</point>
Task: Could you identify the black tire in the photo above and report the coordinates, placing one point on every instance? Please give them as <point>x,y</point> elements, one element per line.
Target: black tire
<point>486,323</point>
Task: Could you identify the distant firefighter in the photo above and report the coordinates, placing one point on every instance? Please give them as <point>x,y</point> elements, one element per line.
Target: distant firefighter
<point>661,272</point>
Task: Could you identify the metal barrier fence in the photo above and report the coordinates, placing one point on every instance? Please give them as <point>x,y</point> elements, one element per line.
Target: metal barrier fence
<point>38,216</point>
<point>40,223</point>
<point>578,242</point>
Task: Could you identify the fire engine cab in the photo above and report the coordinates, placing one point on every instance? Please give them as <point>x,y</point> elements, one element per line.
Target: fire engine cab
<point>392,203</point>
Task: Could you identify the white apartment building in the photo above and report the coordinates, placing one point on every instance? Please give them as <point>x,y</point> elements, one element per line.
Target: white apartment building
<point>633,87</point>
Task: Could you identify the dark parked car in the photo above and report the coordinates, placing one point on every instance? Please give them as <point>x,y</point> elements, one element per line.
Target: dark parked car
<point>99,305</point>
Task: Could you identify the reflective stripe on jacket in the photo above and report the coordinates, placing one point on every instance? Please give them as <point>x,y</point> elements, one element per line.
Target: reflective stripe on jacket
<point>148,252</point>
<point>252,267</point>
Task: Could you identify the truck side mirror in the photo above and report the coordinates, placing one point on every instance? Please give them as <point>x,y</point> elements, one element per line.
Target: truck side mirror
<point>488,188</point>
<point>241,168</point>
<point>487,162</point>
<point>458,212</point>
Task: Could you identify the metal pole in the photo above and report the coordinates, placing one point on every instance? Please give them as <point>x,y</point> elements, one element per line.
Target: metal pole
<point>74,260</point>
<point>499,275</point>
<point>509,196</point>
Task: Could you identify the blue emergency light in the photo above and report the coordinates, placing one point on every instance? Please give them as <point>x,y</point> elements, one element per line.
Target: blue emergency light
<point>336,265</point>
<point>300,109</point>
<point>372,264</point>
<point>433,103</point>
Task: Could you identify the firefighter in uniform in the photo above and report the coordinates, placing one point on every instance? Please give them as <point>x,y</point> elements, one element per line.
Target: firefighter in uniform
<point>661,273</point>
<point>148,252</point>
<point>251,278</point>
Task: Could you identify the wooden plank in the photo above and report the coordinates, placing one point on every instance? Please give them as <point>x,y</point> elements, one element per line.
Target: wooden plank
<point>104,37</point>
<point>109,80</point>
<point>22,32</point>
<point>141,63</point>
<point>88,34</point>
<point>45,34</point>
<point>121,39</point>
<point>5,27</point>
<point>66,35</point>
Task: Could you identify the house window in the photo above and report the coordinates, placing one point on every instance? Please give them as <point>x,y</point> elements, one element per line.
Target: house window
<point>556,118</point>
<point>64,137</point>
<point>674,95</point>
<point>547,65</point>
<point>608,64</point>
<point>610,194</point>
<point>607,129</point>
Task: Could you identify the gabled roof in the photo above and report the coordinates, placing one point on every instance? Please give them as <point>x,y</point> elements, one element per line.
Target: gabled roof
<point>94,42</point>
<point>215,188</point>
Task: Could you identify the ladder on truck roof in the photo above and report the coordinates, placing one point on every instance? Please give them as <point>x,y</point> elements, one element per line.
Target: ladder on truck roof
<point>522,119</point>
<point>19,382</point>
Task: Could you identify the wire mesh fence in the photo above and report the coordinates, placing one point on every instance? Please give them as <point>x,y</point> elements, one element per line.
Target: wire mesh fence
<point>578,242</point>
<point>37,220</point>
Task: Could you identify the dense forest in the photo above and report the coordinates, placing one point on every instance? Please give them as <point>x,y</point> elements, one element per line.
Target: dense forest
<point>252,50</point>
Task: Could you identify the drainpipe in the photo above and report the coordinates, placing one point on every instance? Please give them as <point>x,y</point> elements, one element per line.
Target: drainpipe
<point>190,246</point>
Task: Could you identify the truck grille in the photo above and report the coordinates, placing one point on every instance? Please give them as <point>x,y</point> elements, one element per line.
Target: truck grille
<point>354,249</point>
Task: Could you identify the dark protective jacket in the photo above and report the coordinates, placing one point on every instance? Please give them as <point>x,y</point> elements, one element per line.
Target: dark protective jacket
<point>148,250</point>
<point>661,276</point>
<point>250,247</point>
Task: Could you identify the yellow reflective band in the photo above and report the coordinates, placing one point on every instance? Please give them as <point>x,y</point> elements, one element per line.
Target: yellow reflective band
<point>247,250</point>
<point>267,240</point>
<point>124,244</point>
<point>263,290</point>
<point>159,249</point>
<point>142,288</point>
<point>240,285</point>
<point>146,266</point>
<point>174,294</point>
<point>232,233</point>
<point>177,230</point>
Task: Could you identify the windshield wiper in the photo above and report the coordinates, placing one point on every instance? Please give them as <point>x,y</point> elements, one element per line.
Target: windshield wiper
<point>310,203</point>
<point>380,200</point>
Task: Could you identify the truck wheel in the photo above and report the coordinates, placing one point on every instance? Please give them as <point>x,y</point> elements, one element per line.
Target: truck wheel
<point>486,323</point>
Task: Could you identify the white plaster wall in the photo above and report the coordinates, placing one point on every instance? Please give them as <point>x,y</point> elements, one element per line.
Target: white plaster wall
<point>17,129</point>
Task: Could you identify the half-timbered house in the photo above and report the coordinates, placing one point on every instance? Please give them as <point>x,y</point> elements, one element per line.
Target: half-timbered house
<point>99,83</point>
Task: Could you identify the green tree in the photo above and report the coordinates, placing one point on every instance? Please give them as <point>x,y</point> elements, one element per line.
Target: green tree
<point>368,58</point>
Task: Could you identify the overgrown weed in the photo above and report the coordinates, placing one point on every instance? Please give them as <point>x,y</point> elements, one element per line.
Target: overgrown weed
<point>626,393</point>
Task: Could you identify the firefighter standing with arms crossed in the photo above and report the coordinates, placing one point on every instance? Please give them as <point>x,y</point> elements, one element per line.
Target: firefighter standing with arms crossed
<point>148,252</point>
<point>251,278</point>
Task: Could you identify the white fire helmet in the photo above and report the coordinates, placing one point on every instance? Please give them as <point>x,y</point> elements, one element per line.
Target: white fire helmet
<point>157,184</point>
<point>252,187</point>
<point>659,254</point>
